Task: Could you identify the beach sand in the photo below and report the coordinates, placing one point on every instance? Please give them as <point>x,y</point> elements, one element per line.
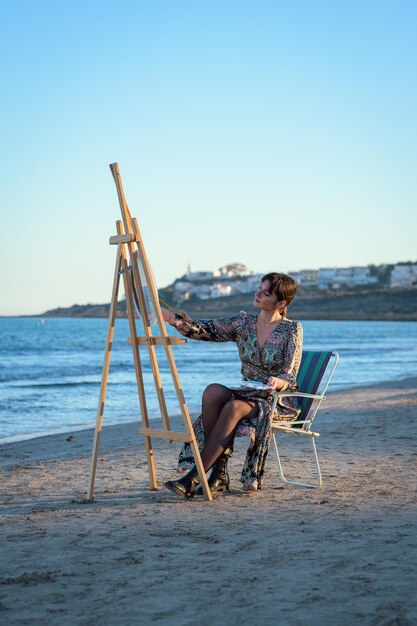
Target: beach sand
<point>342,554</point>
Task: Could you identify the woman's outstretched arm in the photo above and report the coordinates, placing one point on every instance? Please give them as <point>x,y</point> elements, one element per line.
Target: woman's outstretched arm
<point>221,329</point>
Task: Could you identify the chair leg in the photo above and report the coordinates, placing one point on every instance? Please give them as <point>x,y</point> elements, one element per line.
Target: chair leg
<point>297,484</point>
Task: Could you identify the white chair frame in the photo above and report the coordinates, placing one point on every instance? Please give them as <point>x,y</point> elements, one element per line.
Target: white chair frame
<point>304,426</point>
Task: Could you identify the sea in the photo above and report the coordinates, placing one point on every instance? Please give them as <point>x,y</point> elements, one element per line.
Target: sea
<point>50,369</point>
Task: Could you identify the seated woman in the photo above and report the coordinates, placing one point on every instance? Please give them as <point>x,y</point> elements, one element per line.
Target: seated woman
<point>270,347</point>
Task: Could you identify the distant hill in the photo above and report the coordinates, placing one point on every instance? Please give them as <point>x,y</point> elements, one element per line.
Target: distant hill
<point>360,304</point>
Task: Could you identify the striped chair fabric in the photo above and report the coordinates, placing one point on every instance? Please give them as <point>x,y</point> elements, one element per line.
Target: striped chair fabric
<point>312,368</point>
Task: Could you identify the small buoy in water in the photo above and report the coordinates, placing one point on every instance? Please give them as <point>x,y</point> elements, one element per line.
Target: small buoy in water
<point>42,321</point>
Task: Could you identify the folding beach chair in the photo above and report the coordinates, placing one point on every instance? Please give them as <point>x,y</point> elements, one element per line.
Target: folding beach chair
<point>315,373</point>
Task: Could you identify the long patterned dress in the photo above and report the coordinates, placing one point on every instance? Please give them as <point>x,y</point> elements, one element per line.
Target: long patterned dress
<point>280,356</point>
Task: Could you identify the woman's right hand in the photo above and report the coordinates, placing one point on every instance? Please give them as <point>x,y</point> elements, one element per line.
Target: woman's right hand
<point>168,316</point>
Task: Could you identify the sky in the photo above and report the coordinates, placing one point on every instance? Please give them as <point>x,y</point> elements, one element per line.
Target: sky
<point>278,134</point>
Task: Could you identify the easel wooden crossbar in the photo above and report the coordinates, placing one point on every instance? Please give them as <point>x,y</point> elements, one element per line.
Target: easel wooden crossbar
<point>130,248</point>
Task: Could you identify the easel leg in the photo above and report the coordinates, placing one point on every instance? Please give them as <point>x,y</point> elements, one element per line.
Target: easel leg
<point>138,370</point>
<point>104,377</point>
<point>200,468</point>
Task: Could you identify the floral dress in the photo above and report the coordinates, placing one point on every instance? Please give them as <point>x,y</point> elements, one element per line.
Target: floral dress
<point>280,356</point>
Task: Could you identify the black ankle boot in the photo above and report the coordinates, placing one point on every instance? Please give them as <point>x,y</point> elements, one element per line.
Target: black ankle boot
<point>219,478</point>
<point>186,485</point>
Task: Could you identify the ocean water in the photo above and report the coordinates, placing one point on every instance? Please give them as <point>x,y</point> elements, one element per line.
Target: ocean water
<point>50,369</point>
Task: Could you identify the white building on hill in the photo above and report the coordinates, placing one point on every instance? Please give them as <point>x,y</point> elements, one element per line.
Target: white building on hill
<point>199,276</point>
<point>221,290</point>
<point>306,278</point>
<point>334,277</point>
<point>403,275</point>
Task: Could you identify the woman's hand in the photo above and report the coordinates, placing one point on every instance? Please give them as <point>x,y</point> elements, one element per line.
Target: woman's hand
<point>168,316</point>
<point>277,384</point>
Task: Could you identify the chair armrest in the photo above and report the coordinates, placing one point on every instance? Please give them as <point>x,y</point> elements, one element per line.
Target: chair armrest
<point>294,431</point>
<point>296,394</point>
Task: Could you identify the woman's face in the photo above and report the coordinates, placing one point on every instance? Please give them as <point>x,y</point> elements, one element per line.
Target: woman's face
<point>264,299</point>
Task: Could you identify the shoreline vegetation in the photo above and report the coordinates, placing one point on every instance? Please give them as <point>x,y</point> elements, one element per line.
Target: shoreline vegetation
<point>384,304</point>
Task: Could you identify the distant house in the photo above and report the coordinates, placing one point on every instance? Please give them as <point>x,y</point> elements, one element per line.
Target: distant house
<point>182,286</point>
<point>219,290</point>
<point>249,284</point>
<point>336,277</point>
<point>199,276</point>
<point>403,275</point>
<point>182,290</point>
<point>202,291</point>
<point>226,271</point>
<point>306,278</point>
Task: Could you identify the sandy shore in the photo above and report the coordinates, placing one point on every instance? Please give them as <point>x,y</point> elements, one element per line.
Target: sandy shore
<point>344,554</point>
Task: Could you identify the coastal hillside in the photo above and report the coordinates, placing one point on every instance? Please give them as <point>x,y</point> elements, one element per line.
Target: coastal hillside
<point>362,304</point>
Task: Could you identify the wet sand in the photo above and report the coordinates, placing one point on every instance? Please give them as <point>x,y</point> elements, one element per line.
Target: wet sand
<point>345,553</point>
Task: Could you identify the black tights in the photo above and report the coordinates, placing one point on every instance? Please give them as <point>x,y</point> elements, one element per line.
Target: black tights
<point>221,415</point>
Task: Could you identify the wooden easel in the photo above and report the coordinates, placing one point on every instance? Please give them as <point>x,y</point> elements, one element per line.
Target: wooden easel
<point>130,246</point>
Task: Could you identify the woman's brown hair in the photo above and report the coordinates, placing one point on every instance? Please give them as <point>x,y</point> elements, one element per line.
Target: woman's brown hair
<point>283,287</point>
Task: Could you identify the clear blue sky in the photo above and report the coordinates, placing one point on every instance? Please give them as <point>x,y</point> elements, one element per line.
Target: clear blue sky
<point>278,134</point>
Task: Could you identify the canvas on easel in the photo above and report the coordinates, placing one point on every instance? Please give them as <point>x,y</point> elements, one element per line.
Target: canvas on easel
<point>133,265</point>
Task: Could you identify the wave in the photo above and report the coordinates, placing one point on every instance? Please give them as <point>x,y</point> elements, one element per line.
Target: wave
<point>83,383</point>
